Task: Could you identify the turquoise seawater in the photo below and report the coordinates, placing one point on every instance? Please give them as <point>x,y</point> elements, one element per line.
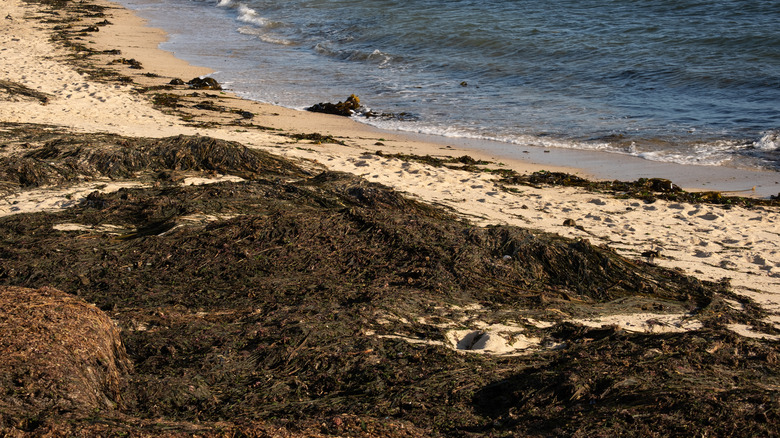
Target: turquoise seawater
<point>682,81</point>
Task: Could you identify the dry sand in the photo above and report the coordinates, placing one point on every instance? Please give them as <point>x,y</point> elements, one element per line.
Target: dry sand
<point>705,241</point>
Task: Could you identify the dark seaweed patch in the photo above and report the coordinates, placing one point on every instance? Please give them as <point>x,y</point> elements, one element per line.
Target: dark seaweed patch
<point>15,88</point>
<point>647,189</point>
<point>264,312</point>
<point>62,158</point>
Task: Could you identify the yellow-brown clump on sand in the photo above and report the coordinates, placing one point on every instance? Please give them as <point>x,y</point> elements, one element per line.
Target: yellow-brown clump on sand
<point>60,354</point>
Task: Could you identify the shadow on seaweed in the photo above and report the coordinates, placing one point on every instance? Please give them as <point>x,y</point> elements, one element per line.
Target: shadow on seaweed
<point>705,383</point>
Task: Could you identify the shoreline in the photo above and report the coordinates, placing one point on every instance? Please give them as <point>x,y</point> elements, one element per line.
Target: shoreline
<point>602,165</point>
<point>707,241</point>
<point>178,261</point>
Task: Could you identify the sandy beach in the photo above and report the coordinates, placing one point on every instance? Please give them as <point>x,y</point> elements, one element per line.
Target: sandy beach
<point>709,242</point>
<point>718,243</point>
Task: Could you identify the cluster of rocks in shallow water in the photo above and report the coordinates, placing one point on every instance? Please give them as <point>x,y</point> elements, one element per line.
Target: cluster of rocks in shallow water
<point>347,108</point>
<point>351,106</point>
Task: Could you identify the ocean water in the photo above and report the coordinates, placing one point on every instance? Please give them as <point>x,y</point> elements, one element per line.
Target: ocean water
<point>684,81</point>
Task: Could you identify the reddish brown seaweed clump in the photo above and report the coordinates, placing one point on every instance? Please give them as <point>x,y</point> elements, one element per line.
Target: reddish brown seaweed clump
<point>59,354</point>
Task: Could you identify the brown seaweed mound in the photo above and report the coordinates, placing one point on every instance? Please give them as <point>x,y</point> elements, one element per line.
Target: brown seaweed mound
<point>60,354</point>
<point>49,158</point>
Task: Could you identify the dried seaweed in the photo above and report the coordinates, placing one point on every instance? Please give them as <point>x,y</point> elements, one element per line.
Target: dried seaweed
<point>653,386</point>
<point>14,88</point>
<point>317,138</point>
<point>278,312</point>
<point>262,313</point>
<point>62,158</point>
<point>647,189</point>
<point>59,354</point>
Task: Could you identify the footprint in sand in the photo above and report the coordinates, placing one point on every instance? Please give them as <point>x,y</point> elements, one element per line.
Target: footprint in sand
<point>709,217</point>
<point>595,218</point>
<point>758,260</point>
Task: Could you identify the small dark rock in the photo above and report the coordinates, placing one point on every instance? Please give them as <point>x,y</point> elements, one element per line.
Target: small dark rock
<point>569,223</point>
<point>346,108</point>
<point>176,81</point>
<point>204,84</point>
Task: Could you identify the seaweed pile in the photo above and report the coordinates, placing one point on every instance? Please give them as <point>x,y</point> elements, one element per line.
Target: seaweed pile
<point>307,303</point>
<point>15,90</point>
<point>35,156</point>
<point>301,303</point>
<point>53,337</point>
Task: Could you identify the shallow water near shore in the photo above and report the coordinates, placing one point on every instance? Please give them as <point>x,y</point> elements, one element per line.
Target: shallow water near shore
<point>675,82</point>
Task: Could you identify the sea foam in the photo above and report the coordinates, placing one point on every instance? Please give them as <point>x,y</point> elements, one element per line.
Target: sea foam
<point>770,141</point>
<point>250,16</point>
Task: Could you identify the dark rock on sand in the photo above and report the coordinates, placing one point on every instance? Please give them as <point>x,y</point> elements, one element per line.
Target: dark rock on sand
<point>204,84</point>
<point>346,108</point>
